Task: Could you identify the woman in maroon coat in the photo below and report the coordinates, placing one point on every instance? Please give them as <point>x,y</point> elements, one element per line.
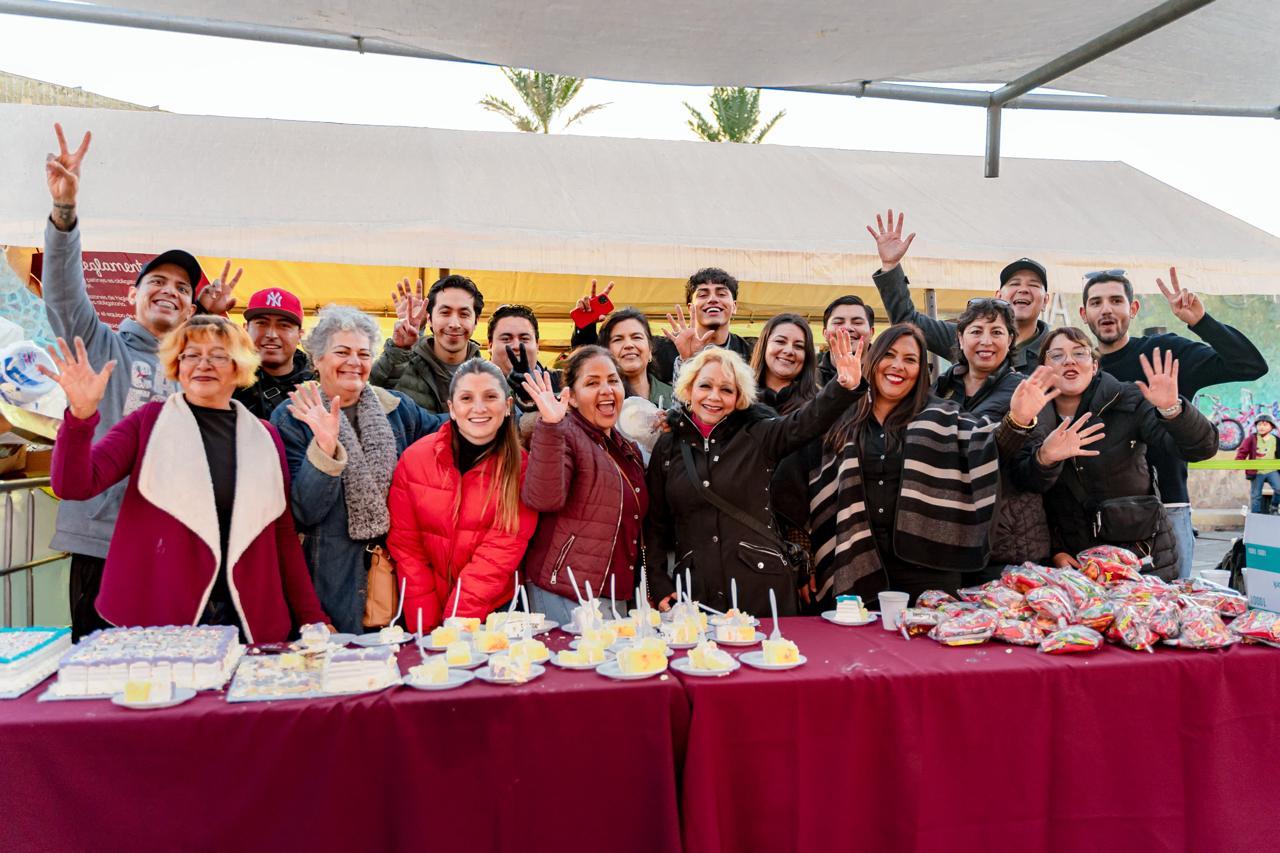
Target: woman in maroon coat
<point>587,481</point>
<point>202,538</point>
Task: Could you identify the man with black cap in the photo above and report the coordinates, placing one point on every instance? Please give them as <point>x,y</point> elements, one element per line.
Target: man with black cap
<point>273,319</point>
<point>162,299</point>
<point>1222,354</point>
<point>1261,444</point>
<point>1024,284</point>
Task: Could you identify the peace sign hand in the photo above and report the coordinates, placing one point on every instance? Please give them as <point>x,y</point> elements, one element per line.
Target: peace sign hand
<point>1186,306</point>
<point>551,408</point>
<point>889,242</point>
<point>62,171</point>
<point>217,296</point>
<point>1070,440</point>
<point>520,368</point>
<point>306,404</point>
<point>593,303</point>
<point>83,386</point>
<point>1161,387</point>
<point>846,356</point>
<point>411,304</point>
<point>685,336</point>
<point>1032,394</point>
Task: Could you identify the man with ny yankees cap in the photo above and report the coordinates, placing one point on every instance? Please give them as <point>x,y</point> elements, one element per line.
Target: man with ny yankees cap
<point>1024,284</point>
<point>273,319</point>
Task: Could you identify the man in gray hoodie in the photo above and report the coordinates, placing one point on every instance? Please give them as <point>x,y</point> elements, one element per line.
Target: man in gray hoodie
<point>163,298</point>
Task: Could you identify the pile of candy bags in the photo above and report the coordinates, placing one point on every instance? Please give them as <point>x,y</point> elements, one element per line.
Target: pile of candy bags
<point>1068,610</point>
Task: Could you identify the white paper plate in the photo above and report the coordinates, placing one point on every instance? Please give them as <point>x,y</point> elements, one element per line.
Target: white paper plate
<point>610,669</point>
<point>484,673</point>
<point>737,643</point>
<point>681,646</point>
<point>180,695</point>
<point>830,616</point>
<point>723,620</point>
<point>457,678</point>
<point>477,659</point>
<point>685,666</point>
<point>555,659</point>
<point>756,659</point>
<point>370,640</point>
<point>622,644</point>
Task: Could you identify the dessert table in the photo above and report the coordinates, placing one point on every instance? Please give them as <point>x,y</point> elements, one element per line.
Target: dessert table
<point>571,761</point>
<point>879,743</point>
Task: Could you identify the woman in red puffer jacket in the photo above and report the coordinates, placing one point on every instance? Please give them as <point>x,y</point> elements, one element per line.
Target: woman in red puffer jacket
<point>456,514</point>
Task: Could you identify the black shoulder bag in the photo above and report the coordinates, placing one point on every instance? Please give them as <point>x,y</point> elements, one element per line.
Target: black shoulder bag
<point>796,556</point>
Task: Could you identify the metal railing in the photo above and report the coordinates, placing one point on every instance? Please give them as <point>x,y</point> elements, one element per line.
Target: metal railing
<point>8,488</point>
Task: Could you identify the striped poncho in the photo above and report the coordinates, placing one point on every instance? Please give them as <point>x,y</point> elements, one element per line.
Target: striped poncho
<point>946,501</point>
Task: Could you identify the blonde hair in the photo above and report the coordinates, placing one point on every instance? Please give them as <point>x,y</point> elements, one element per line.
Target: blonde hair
<point>204,328</point>
<point>730,362</point>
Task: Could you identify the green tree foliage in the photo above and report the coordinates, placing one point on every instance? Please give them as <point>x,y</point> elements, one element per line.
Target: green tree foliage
<point>735,116</point>
<point>544,96</point>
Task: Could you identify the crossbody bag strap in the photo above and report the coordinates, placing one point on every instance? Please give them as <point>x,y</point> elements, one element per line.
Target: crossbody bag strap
<point>720,503</point>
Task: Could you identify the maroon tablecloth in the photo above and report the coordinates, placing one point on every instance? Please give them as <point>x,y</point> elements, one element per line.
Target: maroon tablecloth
<point>882,744</point>
<point>572,761</point>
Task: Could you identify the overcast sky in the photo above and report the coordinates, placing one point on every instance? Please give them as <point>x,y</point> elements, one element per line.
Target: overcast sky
<point>1229,163</point>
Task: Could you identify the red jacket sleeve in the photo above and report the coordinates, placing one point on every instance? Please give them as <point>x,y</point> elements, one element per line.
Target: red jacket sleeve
<point>1248,448</point>
<point>405,541</point>
<point>81,469</point>
<point>487,576</point>
<point>550,468</point>
<point>299,591</point>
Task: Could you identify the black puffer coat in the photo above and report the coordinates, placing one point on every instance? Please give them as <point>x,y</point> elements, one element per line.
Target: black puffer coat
<point>737,462</point>
<point>1119,470</point>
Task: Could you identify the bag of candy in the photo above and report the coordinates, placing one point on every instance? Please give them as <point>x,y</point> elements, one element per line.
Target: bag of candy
<point>1227,603</point>
<point>932,599</point>
<point>918,620</point>
<point>1005,601</point>
<point>1165,618</point>
<point>1108,563</point>
<point>1257,625</point>
<point>1024,578</point>
<point>967,629</point>
<point>1082,591</point>
<point>1051,602</point>
<point>1019,632</point>
<point>1073,638</point>
<point>1097,616</point>
<point>1203,628</point>
<point>970,593</point>
<point>1130,628</point>
<point>955,608</point>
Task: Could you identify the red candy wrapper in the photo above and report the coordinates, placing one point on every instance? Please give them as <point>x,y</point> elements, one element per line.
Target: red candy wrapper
<point>1130,628</point>
<point>1019,632</point>
<point>970,594</point>
<point>1072,639</point>
<point>1258,625</point>
<point>1052,603</point>
<point>1097,616</point>
<point>1165,618</point>
<point>932,599</point>
<point>967,629</point>
<point>1107,564</point>
<point>1203,628</point>
<point>1005,601</point>
<point>1025,578</point>
<point>1082,591</point>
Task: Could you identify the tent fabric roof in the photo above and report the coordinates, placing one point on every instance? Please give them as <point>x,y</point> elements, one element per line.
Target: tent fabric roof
<point>256,188</point>
<point>1226,53</point>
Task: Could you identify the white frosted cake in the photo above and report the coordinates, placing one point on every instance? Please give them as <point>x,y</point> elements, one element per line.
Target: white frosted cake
<point>201,657</point>
<point>29,656</point>
<point>849,608</point>
<point>358,670</point>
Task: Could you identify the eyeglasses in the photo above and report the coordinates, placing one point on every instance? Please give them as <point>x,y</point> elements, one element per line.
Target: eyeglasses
<point>1091,277</point>
<point>992,301</point>
<point>1060,356</point>
<point>194,359</point>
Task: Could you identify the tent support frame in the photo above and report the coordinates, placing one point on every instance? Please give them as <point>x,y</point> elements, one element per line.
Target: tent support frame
<point>1012,95</point>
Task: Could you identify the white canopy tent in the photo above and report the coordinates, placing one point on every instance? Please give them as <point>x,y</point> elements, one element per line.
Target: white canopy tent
<point>1177,56</point>
<point>295,191</point>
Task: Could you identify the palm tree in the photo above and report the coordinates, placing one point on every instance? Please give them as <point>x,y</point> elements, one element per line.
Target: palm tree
<point>544,95</point>
<point>736,110</point>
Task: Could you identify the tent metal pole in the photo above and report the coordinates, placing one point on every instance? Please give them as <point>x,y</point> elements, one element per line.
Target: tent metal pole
<point>992,163</point>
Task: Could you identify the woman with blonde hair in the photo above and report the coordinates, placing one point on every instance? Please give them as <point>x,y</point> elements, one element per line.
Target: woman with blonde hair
<point>202,538</point>
<point>458,527</point>
<point>709,479</point>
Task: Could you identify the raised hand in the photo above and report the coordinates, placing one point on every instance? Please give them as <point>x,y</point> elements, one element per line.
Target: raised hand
<point>551,408</point>
<point>218,296</point>
<point>411,303</point>
<point>62,170</point>
<point>846,357</point>
<point>1032,394</point>
<point>519,360</point>
<point>591,303</point>
<point>404,334</point>
<point>1070,440</point>
<point>1186,306</point>
<point>685,336</point>
<point>889,242</point>
<point>83,386</point>
<point>1161,387</point>
<point>306,404</point>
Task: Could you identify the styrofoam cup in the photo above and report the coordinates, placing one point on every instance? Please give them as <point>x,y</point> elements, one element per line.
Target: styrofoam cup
<point>891,606</point>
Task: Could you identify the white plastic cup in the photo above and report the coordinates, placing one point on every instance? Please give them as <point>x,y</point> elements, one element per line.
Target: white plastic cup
<point>891,606</point>
<point>1222,577</point>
